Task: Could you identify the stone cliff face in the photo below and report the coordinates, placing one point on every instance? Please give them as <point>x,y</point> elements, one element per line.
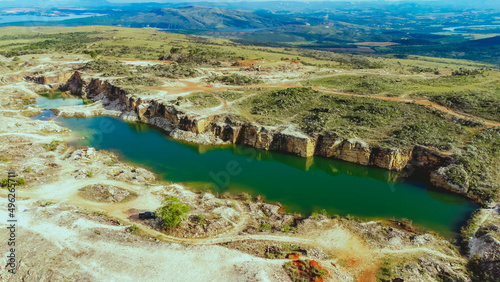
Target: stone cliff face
<point>76,85</point>
<point>224,129</point>
<point>47,80</point>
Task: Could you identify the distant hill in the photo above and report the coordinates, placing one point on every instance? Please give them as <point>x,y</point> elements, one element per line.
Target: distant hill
<point>186,18</point>
<point>491,41</point>
<point>208,18</point>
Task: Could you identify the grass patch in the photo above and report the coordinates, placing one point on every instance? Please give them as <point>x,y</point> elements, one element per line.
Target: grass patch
<point>172,71</point>
<point>385,272</point>
<point>139,81</point>
<point>7,182</point>
<point>234,79</point>
<point>107,67</point>
<point>200,100</point>
<point>52,146</point>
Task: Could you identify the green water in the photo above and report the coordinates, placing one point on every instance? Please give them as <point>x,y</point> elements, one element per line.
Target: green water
<point>301,185</point>
<point>56,100</point>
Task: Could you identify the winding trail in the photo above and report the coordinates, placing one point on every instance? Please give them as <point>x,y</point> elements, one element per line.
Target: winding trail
<point>425,103</point>
<point>190,87</point>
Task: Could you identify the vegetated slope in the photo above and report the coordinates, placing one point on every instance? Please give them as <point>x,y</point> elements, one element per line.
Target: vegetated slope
<point>328,34</point>
<point>195,17</point>
<point>190,18</point>
<point>485,50</point>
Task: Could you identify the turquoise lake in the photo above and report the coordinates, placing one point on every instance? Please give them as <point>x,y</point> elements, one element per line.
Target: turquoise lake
<point>301,185</point>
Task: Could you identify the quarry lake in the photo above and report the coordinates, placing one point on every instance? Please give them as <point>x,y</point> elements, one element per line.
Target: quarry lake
<point>301,185</point>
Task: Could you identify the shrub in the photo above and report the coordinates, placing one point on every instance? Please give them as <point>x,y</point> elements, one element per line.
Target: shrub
<point>385,271</point>
<point>264,226</point>
<point>52,146</point>
<point>6,182</point>
<point>172,212</point>
<point>133,229</point>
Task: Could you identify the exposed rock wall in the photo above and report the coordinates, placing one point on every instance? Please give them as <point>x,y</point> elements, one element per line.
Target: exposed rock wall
<point>223,129</point>
<point>76,85</point>
<point>47,80</point>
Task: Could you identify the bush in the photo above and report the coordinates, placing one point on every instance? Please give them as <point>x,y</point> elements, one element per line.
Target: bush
<point>385,271</point>
<point>264,226</point>
<point>133,229</point>
<point>172,212</point>
<point>463,71</point>
<point>6,182</point>
<point>52,146</point>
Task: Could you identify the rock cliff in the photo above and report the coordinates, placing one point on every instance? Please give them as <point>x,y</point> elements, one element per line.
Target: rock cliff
<point>224,129</point>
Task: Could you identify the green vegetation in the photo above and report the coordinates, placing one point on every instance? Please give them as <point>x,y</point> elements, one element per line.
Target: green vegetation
<point>5,159</point>
<point>28,169</point>
<point>304,270</point>
<point>480,161</point>
<point>264,226</point>
<point>173,71</point>
<point>134,229</point>
<point>6,182</point>
<point>234,79</point>
<point>467,231</point>
<point>385,271</point>
<point>477,270</point>
<point>139,80</point>
<point>200,219</point>
<point>382,122</point>
<point>52,146</point>
<point>68,42</point>
<point>172,211</point>
<point>481,103</point>
<point>200,100</point>
<point>229,95</point>
<point>473,91</point>
<point>87,101</point>
<point>107,67</point>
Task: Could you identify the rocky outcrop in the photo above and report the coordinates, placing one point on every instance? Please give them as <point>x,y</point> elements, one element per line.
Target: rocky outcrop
<point>47,80</point>
<point>484,246</point>
<point>37,79</point>
<point>76,85</point>
<point>439,178</point>
<point>224,129</point>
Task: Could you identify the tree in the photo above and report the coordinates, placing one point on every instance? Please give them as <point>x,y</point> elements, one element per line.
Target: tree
<point>93,54</point>
<point>172,212</point>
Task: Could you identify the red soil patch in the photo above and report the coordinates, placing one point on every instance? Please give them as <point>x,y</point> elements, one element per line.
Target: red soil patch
<point>307,269</point>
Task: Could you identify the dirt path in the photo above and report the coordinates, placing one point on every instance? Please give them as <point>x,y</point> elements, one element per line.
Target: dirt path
<point>426,103</point>
<point>190,87</point>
